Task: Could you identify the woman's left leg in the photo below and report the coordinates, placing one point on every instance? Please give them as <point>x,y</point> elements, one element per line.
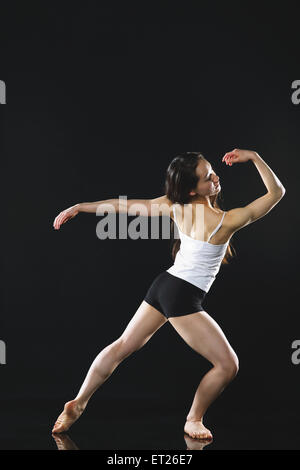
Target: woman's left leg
<point>201,332</point>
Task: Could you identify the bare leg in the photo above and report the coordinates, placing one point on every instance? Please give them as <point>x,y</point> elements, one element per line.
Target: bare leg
<point>146,321</point>
<point>204,335</point>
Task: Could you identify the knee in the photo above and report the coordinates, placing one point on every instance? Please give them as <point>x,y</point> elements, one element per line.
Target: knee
<point>124,347</point>
<point>230,367</point>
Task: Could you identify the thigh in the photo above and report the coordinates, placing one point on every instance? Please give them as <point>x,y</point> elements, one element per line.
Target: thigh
<point>145,322</point>
<point>202,333</point>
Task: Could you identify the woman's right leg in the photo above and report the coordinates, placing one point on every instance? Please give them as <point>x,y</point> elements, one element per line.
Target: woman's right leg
<point>146,321</point>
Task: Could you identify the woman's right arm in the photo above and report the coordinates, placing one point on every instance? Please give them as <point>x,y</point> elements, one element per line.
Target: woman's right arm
<point>129,206</point>
<point>158,206</point>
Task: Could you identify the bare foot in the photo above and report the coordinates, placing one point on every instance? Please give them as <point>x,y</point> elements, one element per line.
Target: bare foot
<point>72,411</point>
<point>196,429</point>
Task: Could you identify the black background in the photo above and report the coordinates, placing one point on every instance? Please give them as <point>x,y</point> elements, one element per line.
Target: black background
<point>100,98</point>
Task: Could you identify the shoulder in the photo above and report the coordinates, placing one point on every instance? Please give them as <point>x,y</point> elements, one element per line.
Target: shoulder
<point>164,204</point>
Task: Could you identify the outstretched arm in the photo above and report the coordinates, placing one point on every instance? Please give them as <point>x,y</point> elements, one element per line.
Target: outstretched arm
<point>148,207</point>
<point>129,206</point>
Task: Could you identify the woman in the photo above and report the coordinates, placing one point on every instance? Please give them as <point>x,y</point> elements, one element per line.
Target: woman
<point>176,295</point>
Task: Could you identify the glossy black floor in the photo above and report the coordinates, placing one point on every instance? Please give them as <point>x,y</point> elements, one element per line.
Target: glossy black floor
<point>131,424</point>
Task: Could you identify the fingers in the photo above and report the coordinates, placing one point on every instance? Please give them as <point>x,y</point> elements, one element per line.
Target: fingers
<point>56,223</point>
<point>63,217</point>
<point>229,157</point>
<point>59,220</point>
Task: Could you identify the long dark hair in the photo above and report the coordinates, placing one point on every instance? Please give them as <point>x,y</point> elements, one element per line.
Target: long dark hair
<point>181,178</point>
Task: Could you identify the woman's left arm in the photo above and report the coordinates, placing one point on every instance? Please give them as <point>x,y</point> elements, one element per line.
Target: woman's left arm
<point>271,181</point>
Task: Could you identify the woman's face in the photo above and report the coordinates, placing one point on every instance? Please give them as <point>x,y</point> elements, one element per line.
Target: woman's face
<point>208,183</point>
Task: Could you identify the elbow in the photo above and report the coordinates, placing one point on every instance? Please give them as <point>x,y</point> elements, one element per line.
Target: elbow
<point>283,191</point>
<point>279,193</point>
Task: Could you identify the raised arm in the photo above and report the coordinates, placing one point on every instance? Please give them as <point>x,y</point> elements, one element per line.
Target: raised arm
<point>148,207</point>
<point>242,216</point>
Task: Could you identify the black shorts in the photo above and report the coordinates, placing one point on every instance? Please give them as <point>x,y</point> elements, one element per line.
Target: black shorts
<point>173,296</point>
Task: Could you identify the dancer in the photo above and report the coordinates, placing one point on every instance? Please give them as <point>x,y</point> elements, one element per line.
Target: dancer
<point>176,295</point>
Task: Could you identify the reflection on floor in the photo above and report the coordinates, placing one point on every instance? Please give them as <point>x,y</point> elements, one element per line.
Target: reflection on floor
<point>64,442</point>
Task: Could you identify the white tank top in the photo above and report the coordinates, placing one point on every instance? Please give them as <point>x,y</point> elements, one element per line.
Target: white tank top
<point>198,262</point>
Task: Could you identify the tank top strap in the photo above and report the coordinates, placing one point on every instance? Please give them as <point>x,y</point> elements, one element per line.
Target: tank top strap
<point>217,227</point>
<point>174,213</point>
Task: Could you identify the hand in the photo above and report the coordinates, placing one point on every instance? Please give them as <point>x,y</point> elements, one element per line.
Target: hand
<point>238,156</point>
<point>65,215</point>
